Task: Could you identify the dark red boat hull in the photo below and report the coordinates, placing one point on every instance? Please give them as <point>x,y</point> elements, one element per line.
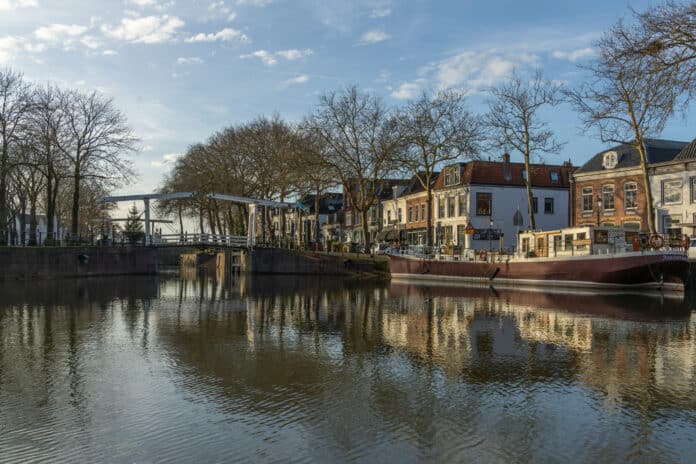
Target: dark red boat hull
<point>634,270</point>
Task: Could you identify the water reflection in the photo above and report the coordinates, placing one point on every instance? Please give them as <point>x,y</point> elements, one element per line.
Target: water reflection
<point>291,369</point>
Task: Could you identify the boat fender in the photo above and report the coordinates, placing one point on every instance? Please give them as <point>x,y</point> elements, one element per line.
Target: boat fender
<point>656,242</point>
<point>483,254</point>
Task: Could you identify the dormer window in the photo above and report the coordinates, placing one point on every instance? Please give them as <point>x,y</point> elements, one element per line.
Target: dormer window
<point>451,176</point>
<point>611,159</point>
<point>554,177</point>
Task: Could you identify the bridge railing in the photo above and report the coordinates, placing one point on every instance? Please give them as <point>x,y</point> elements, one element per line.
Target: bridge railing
<point>198,239</point>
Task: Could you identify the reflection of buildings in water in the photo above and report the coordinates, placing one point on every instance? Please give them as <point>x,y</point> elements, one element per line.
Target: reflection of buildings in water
<point>619,356</point>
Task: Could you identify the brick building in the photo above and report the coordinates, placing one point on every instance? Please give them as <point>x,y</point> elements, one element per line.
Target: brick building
<point>609,190</point>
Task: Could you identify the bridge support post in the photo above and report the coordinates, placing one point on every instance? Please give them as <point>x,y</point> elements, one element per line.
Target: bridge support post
<point>251,226</point>
<point>148,237</point>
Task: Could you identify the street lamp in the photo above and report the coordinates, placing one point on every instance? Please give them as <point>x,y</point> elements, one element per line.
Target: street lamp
<point>599,207</point>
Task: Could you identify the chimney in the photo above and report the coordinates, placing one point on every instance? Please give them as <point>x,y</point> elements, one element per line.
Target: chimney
<point>507,175</point>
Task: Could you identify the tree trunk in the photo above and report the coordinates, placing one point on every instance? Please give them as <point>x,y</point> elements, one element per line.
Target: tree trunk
<point>429,215</point>
<point>32,222</point>
<point>4,161</point>
<point>181,220</point>
<point>200,220</point>
<point>365,229</point>
<point>528,184</point>
<point>649,211</point>
<point>75,202</point>
<point>23,221</point>
<point>50,207</point>
<point>316,220</point>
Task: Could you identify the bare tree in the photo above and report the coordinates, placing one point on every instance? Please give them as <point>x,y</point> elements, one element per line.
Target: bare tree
<point>665,35</point>
<point>47,131</point>
<point>99,139</point>
<point>14,106</point>
<point>313,173</point>
<point>513,121</point>
<point>436,130</point>
<point>360,140</point>
<point>626,100</point>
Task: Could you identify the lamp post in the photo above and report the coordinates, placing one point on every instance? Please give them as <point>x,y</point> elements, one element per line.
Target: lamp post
<point>490,234</point>
<point>599,207</point>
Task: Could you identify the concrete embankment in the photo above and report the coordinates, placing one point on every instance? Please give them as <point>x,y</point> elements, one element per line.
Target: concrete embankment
<point>50,263</point>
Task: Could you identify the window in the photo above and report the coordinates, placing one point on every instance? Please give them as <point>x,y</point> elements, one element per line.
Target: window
<point>415,213</point>
<point>668,222</point>
<point>568,242</point>
<point>410,214</point>
<point>388,217</point>
<point>587,203</point>
<point>484,202</point>
<point>440,207</point>
<point>423,217</point>
<point>671,191</point>
<point>462,204</point>
<point>535,205</point>
<point>399,214</point>
<point>450,207</point>
<point>349,218</point>
<point>693,189</point>
<point>373,213</point>
<point>525,245</point>
<point>610,160</point>
<point>554,177</point>
<point>461,234</point>
<point>524,175</point>
<point>451,176</point>
<point>608,197</point>
<point>630,195</point>
<point>548,205</point>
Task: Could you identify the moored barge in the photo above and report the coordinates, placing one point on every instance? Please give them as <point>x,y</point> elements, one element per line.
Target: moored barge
<point>584,256</point>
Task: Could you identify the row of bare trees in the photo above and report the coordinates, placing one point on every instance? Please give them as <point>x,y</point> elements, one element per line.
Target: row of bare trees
<point>644,70</point>
<point>61,151</point>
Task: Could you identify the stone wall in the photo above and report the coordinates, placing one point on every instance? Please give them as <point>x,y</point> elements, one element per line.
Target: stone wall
<point>48,263</point>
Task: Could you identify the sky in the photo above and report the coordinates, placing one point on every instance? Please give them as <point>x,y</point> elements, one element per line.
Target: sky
<point>182,69</point>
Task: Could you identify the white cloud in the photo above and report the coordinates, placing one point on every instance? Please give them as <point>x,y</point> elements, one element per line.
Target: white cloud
<point>301,79</point>
<point>189,60</point>
<point>271,58</point>
<point>10,5</point>
<point>254,2</point>
<point>9,47</point>
<point>374,36</point>
<point>574,55</point>
<point>408,90</point>
<point>294,53</point>
<point>475,70</point>
<point>226,34</point>
<point>90,42</point>
<point>148,29</point>
<point>263,55</point>
<point>232,16</point>
<point>59,32</point>
<point>109,53</point>
<point>166,159</point>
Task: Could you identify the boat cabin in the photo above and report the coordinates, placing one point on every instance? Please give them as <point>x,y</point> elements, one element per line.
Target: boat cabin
<point>582,240</point>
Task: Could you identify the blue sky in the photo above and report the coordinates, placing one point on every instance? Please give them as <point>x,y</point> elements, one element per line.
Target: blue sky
<point>182,69</point>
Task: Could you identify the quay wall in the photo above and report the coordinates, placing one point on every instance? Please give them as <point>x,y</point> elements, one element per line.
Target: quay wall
<point>280,261</point>
<point>49,263</point>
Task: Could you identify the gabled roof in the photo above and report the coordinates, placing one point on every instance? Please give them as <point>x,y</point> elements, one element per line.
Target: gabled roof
<point>657,151</point>
<point>688,152</point>
<point>329,203</point>
<point>510,174</point>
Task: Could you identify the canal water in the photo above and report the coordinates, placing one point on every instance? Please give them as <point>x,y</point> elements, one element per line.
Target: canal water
<point>194,369</point>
